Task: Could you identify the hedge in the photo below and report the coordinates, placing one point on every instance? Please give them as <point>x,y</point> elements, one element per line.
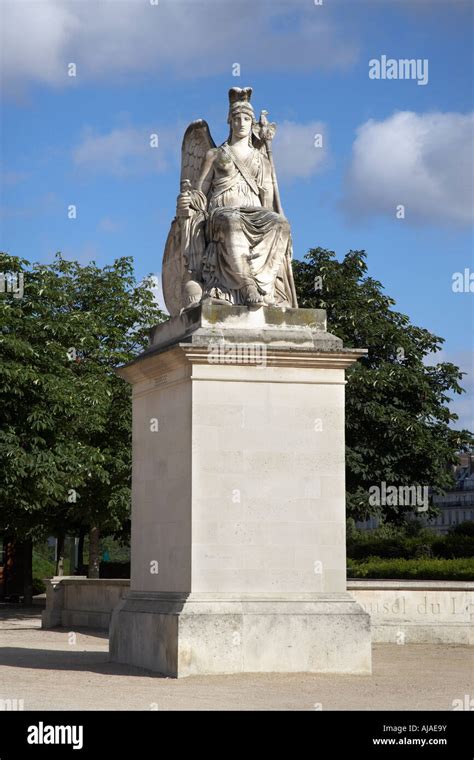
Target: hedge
<point>389,543</point>
<point>412,569</point>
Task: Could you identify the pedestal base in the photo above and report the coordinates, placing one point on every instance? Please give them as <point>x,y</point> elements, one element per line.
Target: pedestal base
<point>238,499</point>
<point>205,634</point>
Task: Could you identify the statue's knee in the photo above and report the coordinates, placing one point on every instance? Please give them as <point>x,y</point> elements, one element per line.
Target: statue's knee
<point>280,223</point>
<point>230,222</point>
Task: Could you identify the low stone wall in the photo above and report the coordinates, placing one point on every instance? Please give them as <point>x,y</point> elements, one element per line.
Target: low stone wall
<point>402,612</point>
<point>418,612</point>
<point>80,602</point>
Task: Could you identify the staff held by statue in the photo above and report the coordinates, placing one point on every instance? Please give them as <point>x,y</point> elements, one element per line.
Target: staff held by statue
<point>266,133</point>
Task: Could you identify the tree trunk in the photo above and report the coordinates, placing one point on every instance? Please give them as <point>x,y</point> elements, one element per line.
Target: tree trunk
<point>94,552</point>
<point>28,573</point>
<point>72,555</point>
<point>60,554</point>
<point>80,551</point>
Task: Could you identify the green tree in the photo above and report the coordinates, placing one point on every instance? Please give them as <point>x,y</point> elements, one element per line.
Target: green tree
<point>65,440</point>
<point>398,422</point>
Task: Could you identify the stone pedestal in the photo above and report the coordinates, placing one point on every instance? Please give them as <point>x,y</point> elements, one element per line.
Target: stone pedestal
<point>238,518</point>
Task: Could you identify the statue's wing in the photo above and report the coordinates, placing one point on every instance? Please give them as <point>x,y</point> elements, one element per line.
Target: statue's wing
<point>173,271</point>
<point>197,141</point>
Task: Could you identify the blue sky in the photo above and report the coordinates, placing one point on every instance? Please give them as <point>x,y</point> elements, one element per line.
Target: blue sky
<point>144,68</point>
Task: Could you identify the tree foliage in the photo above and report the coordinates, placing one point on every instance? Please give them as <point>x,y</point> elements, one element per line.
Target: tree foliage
<point>398,421</point>
<point>65,439</point>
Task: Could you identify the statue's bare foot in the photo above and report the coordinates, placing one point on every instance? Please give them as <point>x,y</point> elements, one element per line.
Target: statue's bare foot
<point>251,295</point>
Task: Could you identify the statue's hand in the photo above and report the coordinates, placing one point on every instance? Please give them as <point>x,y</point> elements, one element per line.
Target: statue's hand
<point>183,204</point>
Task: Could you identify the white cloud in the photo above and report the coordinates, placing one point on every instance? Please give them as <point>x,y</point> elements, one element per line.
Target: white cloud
<point>45,204</point>
<point>423,162</point>
<point>107,224</point>
<point>127,151</point>
<point>34,39</point>
<point>298,153</point>
<point>12,178</point>
<point>188,39</point>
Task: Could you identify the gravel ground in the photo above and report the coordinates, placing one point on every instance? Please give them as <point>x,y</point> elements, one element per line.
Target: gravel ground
<point>53,670</point>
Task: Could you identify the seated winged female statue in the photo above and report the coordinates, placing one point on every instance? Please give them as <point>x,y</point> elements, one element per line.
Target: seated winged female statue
<point>230,240</point>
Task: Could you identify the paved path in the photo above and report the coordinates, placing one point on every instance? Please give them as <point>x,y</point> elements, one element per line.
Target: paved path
<point>53,670</point>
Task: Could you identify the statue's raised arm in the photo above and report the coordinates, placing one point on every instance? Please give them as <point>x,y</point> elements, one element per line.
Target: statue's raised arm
<point>230,240</point>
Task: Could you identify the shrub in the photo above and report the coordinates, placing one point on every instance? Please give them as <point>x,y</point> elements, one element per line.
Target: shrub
<point>38,586</point>
<point>465,528</point>
<point>42,566</point>
<point>409,569</point>
<point>410,542</point>
<point>454,545</point>
<point>407,542</point>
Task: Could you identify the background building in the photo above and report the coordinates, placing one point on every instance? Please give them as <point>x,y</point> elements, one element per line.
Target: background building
<point>455,506</point>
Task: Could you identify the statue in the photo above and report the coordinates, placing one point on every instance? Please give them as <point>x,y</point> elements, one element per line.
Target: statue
<point>230,241</point>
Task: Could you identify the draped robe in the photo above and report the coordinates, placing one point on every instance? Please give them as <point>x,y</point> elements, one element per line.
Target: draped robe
<point>245,243</point>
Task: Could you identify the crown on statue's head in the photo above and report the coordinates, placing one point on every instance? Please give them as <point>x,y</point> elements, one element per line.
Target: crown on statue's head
<point>240,95</point>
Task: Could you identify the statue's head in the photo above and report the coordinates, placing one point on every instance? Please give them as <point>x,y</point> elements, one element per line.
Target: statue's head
<point>241,116</point>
